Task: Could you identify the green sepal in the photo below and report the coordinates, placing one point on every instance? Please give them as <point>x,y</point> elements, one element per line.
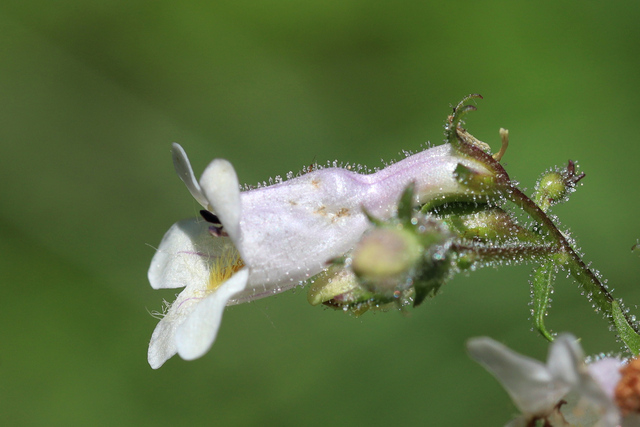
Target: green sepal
<point>454,204</point>
<point>405,204</point>
<point>420,295</point>
<point>455,207</point>
<point>627,334</point>
<point>339,261</point>
<point>542,284</point>
<point>472,179</point>
<point>426,290</point>
<point>372,219</point>
<point>434,271</point>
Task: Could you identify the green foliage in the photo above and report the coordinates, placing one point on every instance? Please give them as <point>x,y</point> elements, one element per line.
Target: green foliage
<point>542,287</point>
<point>627,333</point>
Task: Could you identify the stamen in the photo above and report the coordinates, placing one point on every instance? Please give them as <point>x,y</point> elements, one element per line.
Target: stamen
<point>223,267</point>
<point>504,137</point>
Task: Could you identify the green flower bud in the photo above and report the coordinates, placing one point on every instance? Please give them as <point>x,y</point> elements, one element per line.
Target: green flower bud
<point>555,186</point>
<point>385,254</point>
<point>339,288</point>
<point>336,280</point>
<point>397,259</point>
<point>549,189</point>
<point>490,224</point>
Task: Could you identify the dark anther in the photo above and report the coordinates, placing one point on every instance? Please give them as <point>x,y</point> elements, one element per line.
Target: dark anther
<point>210,217</point>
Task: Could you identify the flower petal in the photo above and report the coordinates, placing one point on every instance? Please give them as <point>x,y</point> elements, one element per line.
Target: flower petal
<point>162,345</point>
<point>185,172</point>
<point>432,172</point>
<point>197,333</point>
<point>588,402</point>
<point>528,381</point>
<point>185,255</point>
<point>565,356</point>
<point>219,183</point>
<point>606,372</point>
<point>290,230</point>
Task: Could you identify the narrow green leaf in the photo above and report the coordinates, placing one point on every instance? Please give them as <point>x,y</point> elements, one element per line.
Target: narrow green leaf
<point>542,284</point>
<point>627,334</point>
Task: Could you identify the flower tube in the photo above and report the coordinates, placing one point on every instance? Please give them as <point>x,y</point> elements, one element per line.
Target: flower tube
<point>267,240</point>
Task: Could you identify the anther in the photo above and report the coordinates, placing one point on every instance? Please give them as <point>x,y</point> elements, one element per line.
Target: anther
<point>210,217</point>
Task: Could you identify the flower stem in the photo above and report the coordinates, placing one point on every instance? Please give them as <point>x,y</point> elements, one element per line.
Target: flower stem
<point>564,254</point>
<point>585,277</point>
<point>595,290</point>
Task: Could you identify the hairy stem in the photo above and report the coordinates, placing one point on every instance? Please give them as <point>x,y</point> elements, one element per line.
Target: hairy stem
<point>567,256</point>
<point>596,291</point>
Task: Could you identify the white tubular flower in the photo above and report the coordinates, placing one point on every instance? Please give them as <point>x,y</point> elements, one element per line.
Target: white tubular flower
<point>564,392</point>
<point>267,240</point>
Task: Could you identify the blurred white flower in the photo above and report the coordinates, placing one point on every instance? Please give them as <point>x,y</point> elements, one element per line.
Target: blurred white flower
<point>267,240</point>
<point>566,391</point>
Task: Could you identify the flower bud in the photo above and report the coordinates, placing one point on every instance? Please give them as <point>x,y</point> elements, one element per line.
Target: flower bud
<point>385,254</point>
<point>337,280</point>
<point>490,224</point>
<point>339,288</point>
<point>551,187</point>
<point>396,259</point>
<point>555,186</point>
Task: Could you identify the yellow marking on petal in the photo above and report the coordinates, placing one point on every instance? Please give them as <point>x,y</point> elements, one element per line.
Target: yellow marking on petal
<point>321,211</point>
<point>223,267</point>
<point>342,212</point>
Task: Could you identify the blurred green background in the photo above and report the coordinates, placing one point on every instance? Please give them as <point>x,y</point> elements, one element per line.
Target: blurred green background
<point>92,93</point>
